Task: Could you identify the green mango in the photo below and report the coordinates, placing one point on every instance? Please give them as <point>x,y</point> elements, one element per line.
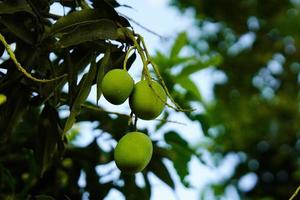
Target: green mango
<point>116,86</point>
<point>147,101</point>
<point>133,152</point>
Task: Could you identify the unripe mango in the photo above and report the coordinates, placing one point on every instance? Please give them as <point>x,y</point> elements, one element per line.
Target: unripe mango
<point>133,152</point>
<point>116,86</point>
<point>147,101</point>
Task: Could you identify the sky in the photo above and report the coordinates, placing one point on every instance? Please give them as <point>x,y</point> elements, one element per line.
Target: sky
<point>158,16</point>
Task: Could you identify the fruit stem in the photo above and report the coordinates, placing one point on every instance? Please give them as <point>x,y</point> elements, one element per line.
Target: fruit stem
<point>146,72</point>
<point>127,56</point>
<point>155,68</point>
<point>21,69</point>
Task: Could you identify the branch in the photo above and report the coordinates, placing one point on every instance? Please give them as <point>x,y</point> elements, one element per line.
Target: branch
<point>144,27</point>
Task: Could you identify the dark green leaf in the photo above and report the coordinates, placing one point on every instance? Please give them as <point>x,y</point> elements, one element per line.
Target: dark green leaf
<point>7,181</point>
<point>192,68</point>
<point>72,77</point>
<point>190,86</point>
<point>130,186</point>
<point>181,154</point>
<point>100,29</point>
<point>130,61</point>
<point>84,90</point>
<point>44,197</point>
<point>104,65</point>
<point>159,169</point>
<point>17,28</point>
<point>11,7</point>
<point>179,43</point>
<point>49,135</point>
<point>77,18</point>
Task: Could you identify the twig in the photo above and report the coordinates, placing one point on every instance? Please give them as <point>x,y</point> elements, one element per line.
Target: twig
<point>90,107</point>
<point>145,28</point>
<point>295,193</point>
<point>20,68</point>
<point>171,121</point>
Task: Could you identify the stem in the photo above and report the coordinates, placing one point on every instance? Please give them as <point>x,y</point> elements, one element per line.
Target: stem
<point>20,68</point>
<point>171,121</point>
<point>146,72</point>
<point>295,193</point>
<point>155,68</point>
<point>127,56</point>
<point>90,107</point>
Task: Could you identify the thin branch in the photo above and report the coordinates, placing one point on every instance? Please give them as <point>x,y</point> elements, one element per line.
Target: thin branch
<point>171,121</point>
<point>90,107</point>
<point>295,193</point>
<point>19,66</point>
<point>144,27</point>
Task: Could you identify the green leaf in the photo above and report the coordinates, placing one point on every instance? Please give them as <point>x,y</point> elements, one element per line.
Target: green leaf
<point>72,76</point>
<point>159,169</point>
<point>77,18</point>
<point>179,43</point>
<point>84,90</point>
<point>130,186</point>
<point>11,7</point>
<point>49,135</point>
<point>7,181</point>
<point>104,64</point>
<point>100,29</point>
<point>190,86</point>
<point>181,154</point>
<point>44,197</point>
<point>2,99</point>
<point>197,66</point>
<point>18,28</point>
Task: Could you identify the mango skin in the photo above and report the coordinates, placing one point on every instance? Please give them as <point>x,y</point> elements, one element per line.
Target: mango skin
<point>133,152</point>
<point>116,86</point>
<point>144,102</point>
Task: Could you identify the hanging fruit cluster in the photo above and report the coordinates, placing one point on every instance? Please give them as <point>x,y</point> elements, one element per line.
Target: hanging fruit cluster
<point>147,99</point>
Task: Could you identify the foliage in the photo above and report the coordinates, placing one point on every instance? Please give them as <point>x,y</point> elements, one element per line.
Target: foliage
<point>255,112</point>
<point>51,70</point>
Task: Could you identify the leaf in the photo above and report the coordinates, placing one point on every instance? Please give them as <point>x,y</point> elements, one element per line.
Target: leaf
<point>2,49</point>
<point>159,169</point>
<point>6,180</point>
<point>44,197</point>
<point>130,61</point>
<point>100,29</point>
<point>17,28</point>
<point>98,4</point>
<point>11,7</point>
<point>84,90</point>
<point>118,58</point>
<point>2,99</point>
<point>192,68</point>
<point>72,76</point>
<point>77,18</point>
<point>181,154</point>
<point>49,135</point>
<point>104,64</point>
<point>179,43</point>
<point>190,86</point>
<point>130,186</point>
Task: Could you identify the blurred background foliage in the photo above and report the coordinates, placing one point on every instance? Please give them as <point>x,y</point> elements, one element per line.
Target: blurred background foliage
<point>254,112</point>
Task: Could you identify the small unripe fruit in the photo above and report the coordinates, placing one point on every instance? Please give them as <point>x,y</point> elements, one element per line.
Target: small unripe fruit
<point>147,102</point>
<point>133,152</point>
<point>116,86</point>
